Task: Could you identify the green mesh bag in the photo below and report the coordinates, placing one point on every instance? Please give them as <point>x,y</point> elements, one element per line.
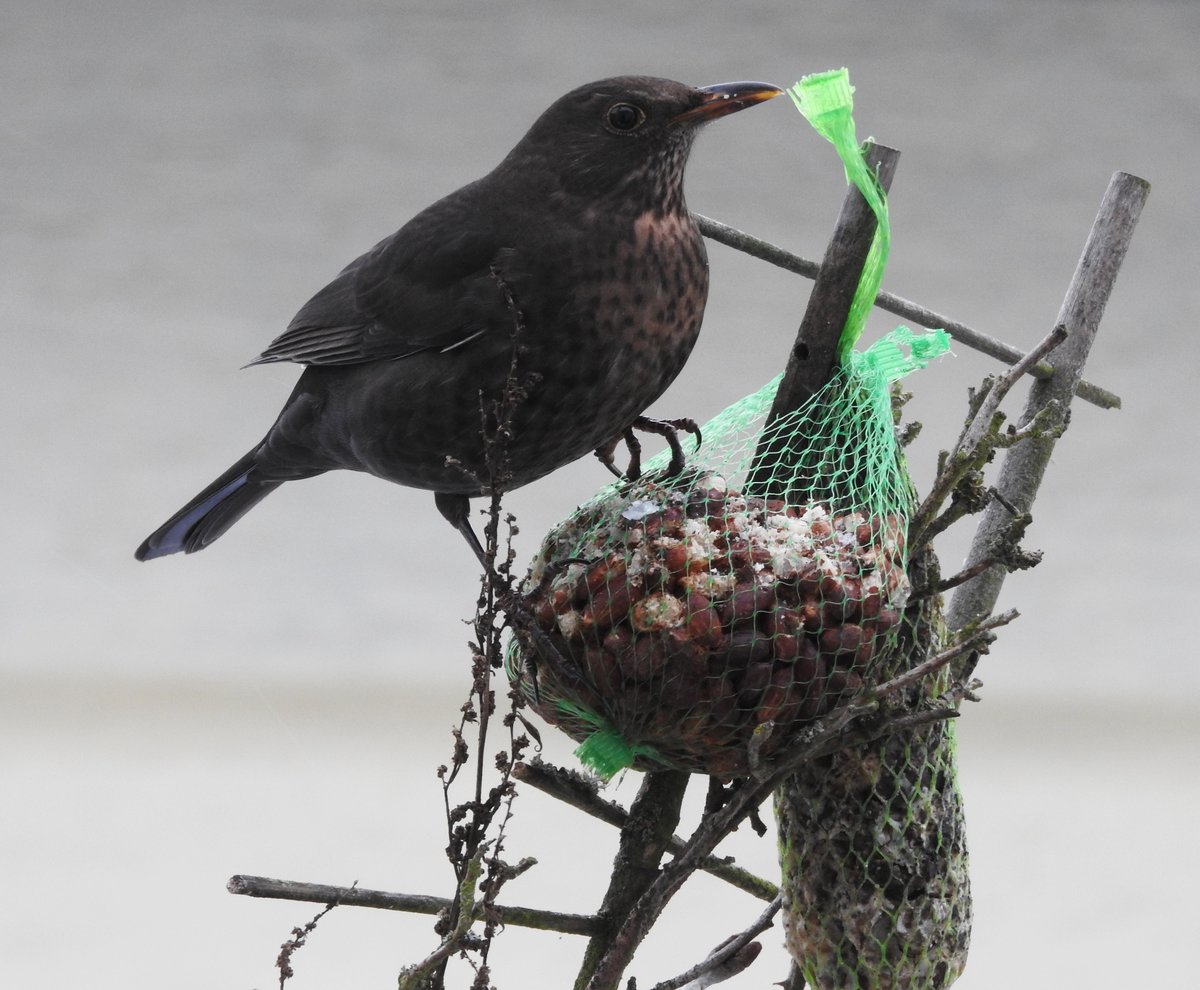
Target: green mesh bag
<point>698,622</point>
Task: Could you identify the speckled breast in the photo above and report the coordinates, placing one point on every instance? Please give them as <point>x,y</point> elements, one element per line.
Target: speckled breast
<point>617,336</point>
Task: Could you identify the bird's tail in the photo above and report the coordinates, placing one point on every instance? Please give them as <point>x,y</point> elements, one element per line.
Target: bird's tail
<point>210,513</point>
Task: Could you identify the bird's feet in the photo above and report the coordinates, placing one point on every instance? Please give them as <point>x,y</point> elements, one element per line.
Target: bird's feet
<point>608,453</point>
<point>668,429</point>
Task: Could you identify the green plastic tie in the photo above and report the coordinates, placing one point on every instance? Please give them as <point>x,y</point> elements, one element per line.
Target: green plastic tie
<point>605,751</point>
<point>869,374</point>
<point>900,353</point>
<point>826,100</point>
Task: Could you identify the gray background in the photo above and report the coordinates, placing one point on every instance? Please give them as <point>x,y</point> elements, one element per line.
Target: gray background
<point>178,179</point>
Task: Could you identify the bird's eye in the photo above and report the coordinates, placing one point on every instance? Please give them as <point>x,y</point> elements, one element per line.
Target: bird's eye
<point>625,116</point>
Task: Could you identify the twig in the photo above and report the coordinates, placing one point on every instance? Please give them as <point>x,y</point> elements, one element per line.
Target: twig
<point>981,422</point>
<point>960,478</point>
<point>319,893</point>
<point>959,473</point>
<point>476,828</point>
<point>961,577</point>
<point>726,951</point>
<point>913,720</point>
<point>574,790</point>
<point>968,641</point>
<point>960,470</point>
<point>921,315</point>
<point>756,247</point>
<point>299,937</point>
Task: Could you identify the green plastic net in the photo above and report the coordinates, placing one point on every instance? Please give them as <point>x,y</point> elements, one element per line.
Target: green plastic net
<point>698,622</point>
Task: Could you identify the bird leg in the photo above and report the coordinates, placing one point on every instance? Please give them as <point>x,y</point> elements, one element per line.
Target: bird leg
<point>457,511</point>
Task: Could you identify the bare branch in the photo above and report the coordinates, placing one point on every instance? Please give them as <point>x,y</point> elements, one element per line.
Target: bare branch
<point>653,817</point>
<point>299,937</point>
<point>961,577</point>
<point>318,893</point>
<point>416,977</point>
<point>970,639</point>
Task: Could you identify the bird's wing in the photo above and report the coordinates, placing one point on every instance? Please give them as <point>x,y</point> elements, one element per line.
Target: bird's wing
<point>430,286</point>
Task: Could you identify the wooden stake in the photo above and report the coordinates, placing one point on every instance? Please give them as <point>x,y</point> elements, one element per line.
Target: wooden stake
<point>1025,463</point>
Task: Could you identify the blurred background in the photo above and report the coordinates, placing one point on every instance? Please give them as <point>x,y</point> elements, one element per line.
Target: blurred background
<point>179,178</point>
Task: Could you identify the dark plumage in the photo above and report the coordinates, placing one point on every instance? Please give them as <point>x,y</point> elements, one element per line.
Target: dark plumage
<point>584,223</point>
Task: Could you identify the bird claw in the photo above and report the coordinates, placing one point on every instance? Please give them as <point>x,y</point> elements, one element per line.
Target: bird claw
<point>607,456</point>
<point>668,429</point>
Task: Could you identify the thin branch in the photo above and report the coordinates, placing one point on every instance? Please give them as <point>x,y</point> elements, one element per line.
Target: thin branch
<point>296,942</point>
<point>914,720</point>
<point>319,893</point>
<point>726,951</point>
<point>975,339</point>
<point>961,577</point>
<point>967,497</point>
<point>417,977</point>
<point>572,789</point>
<point>756,247</point>
<point>960,474</point>
<point>969,640</point>
<point>974,433</point>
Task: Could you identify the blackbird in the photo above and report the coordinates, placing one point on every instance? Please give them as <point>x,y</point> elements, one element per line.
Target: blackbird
<point>573,268</point>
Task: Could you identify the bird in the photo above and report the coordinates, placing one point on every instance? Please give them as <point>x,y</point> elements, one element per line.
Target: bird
<point>573,269</point>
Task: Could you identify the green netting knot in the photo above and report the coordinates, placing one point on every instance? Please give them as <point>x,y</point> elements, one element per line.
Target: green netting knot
<point>605,751</point>
<point>901,352</point>
<point>825,99</point>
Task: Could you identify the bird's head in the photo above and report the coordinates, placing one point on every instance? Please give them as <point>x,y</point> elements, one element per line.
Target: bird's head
<point>629,135</point>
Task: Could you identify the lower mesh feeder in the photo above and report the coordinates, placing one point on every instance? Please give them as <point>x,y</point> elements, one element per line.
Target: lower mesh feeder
<point>688,625</point>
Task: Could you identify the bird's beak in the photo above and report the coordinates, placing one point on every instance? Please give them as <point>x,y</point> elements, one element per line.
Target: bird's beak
<point>725,98</point>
